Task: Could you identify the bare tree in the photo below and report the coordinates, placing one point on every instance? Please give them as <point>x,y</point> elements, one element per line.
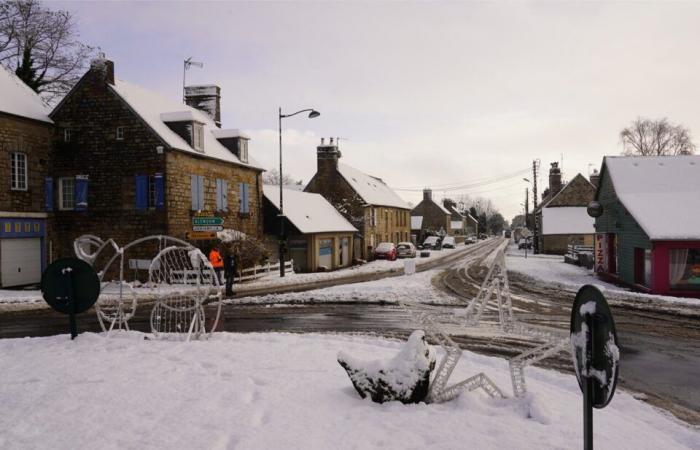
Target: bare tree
<point>273,177</point>
<point>648,137</point>
<point>41,46</point>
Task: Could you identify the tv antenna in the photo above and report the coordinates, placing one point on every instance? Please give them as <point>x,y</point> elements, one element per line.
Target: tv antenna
<point>187,64</point>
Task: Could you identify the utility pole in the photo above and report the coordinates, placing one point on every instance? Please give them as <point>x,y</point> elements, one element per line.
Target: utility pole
<point>535,167</point>
<point>526,207</point>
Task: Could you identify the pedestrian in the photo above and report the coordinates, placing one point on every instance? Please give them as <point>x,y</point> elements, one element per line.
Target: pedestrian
<point>216,262</point>
<point>229,272</point>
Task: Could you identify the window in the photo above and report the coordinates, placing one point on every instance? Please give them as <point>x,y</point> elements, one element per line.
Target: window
<point>66,135</point>
<point>150,193</point>
<point>684,270</point>
<point>66,193</point>
<point>243,150</point>
<point>120,133</point>
<point>198,136</point>
<point>18,167</point>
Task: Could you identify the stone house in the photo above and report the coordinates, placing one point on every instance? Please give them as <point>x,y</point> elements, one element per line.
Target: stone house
<point>129,163</point>
<point>318,236</point>
<point>562,218</point>
<point>25,139</point>
<point>436,218</point>
<point>647,233</point>
<point>375,210</point>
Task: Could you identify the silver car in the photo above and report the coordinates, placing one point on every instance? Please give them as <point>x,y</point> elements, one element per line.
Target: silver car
<point>406,250</point>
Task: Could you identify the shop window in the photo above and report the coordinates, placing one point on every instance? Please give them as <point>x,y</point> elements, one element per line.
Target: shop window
<point>684,268</point>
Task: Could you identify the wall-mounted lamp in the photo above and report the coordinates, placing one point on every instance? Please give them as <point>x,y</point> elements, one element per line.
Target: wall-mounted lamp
<point>159,149</point>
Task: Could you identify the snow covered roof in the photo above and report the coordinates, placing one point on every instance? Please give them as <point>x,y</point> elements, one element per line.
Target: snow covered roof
<point>155,109</point>
<point>445,210</point>
<point>230,133</point>
<point>19,99</point>
<point>416,222</point>
<point>310,213</point>
<point>662,193</point>
<point>372,190</point>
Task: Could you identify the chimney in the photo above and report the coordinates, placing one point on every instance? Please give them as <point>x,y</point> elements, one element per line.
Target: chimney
<point>206,98</point>
<point>555,179</point>
<point>327,156</point>
<point>595,177</point>
<point>104,67</point>
<point>427,195</point>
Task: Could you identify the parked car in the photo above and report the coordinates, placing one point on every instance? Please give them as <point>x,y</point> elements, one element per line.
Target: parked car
<point>385,250</point>
<point>431,242</point>
<point>448,242</point>
<point>470,240</point>
<point>406,250</point>
<point>525,243</point>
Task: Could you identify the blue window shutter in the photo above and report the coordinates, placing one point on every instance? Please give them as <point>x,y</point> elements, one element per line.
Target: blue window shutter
<point>200,192</point>
<point>241,197</point>
<point>224,195</point>
<point>81,192</point>
<point>141,192</point>
<point>193,192</point>
<point>218,195</point>
<point>48,194</point>
<point>247,198</point>
<point>160,190</point>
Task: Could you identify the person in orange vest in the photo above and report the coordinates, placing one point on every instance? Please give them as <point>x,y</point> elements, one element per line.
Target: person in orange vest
<point>217,262</point>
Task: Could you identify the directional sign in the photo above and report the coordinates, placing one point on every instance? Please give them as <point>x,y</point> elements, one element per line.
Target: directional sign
<point>70,286</point>
<point>207,228</point>
<point>596,354</point>
<point>203,221</point>
<point>200,235</point>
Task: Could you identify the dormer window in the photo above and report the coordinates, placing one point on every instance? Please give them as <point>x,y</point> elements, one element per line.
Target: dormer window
<point>243,150</point>
<point>198,136</point>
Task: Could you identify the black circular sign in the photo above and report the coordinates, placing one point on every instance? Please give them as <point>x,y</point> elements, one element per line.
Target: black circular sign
<point>70,277</point>
<point>594,344</point>
<point>594,209</point>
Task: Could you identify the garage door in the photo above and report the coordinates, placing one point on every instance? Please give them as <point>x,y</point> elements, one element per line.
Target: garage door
<point>20,261</point>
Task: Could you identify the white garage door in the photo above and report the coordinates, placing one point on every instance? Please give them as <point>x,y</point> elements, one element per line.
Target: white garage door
<point>20,261</point>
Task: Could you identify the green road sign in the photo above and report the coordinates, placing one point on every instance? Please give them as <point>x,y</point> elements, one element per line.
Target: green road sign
<point>204,221</point>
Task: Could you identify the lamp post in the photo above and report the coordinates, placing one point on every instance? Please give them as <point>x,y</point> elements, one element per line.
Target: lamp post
<point>312,113</point>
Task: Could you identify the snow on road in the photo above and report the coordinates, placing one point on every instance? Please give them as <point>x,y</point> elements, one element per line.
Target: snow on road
<point>278,391</point>
<point>416,287</point>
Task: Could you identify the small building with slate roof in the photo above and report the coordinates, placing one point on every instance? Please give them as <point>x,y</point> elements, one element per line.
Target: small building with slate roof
<point>318,236</point>
<point>366,201</point>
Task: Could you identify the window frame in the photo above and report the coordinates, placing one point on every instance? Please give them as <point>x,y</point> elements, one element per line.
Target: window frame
<point>66,135</point>
<point>243,150</point>
<point>152,194</point>
<point>61,190</point>
<point>198,136</point>
<point>15,172</point>
<point>120,133</point>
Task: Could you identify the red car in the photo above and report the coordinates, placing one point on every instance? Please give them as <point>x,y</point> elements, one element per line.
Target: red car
<point>385,250</point>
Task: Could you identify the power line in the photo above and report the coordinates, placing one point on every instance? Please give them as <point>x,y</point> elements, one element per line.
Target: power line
<point>467,185</point>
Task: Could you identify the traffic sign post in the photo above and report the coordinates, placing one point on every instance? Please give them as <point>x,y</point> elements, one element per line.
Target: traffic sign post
<point>596,355</point>
<point>70,286</point>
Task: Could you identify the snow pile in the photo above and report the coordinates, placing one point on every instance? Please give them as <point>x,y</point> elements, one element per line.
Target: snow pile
<point>406,377</point>
<point>230,235</point>
<point>275,391</point>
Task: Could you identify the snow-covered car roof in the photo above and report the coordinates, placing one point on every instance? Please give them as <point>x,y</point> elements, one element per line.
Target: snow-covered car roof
<point>660,192</point>
<point>18,99</point>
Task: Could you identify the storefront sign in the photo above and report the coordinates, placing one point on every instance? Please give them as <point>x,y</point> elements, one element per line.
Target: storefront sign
<point>601,252</point>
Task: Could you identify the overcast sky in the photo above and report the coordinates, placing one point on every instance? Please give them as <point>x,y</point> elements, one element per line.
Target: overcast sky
<point>425,93</point>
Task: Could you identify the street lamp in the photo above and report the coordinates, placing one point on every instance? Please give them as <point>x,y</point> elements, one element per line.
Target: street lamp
<point>312,113</point>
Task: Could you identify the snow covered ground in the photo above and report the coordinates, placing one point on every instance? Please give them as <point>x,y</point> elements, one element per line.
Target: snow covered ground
<point>279,391</point>
<point>416,287</point>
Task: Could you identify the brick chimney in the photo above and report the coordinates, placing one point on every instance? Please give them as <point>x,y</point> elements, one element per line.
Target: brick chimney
<point>104,67</point>
<point>555,179</point>
<point>595,177</point>
<point>427,195</point>
<point>327,156</point>
<point>206,98</point>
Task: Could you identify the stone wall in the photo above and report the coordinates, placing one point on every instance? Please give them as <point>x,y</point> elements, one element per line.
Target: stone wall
<point>32,138</point>
<point>557,244</point>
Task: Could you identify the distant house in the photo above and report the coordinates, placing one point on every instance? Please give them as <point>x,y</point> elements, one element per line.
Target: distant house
<point>648,235</point>
<point>458,221</point>
<point>436,218</point>
<point>25,141</point>
<point>128,162</point>
<point>562,216</point>
<point>318,236</point>
<point>371,206</point>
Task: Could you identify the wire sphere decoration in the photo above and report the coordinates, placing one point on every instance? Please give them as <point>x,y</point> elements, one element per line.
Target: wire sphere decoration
<point>116,305</point>
<point>186,287</point>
